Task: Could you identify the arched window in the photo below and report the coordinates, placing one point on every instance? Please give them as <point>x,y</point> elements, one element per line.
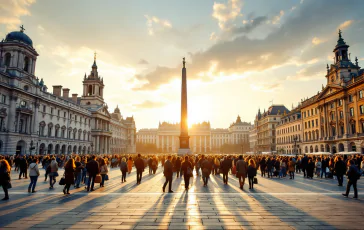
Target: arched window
<point>89,93</point>
<point>7,59</point>
<point>26,64</point>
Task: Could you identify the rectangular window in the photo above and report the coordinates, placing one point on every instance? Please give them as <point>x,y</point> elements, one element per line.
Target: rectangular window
<point>312,112</point>
<point>340,102</point>
<point>3,99</point>
<point>44,108</point>
<point>308,113</point>
<point>332,116</point>
<point>341,114</point>
<point>352,112</point>
<point>332,105</point>
<point>52,111</point>
<point>64,114</point>
<point>316,122</point>
<point>362,109</point>
<point>309,124</point>
<point>350,98</point>
<point>58,112</point>
<point>313,123</point>
<point>361,94</point>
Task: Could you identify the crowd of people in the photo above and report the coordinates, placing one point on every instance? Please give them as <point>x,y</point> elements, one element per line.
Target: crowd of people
<point>90,169</point>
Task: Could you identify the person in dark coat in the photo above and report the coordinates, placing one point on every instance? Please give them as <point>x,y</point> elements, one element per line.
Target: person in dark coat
<point>69,175</point>
<point>93,169</point>
<point>339,170</point>
<point>187,169</point>
<point>304,163</point>
<point>177,165</point>
<point>269,168</point>
<point>139,165</point>
<point>263,166</point>
<point>206,167</point>
<point>5,177</point>
<point>353,176</point>
<point>226,165</point>
<point>23,166</point>
<point>252,172</point>
<point>168,173</point>
<point>310,168</point>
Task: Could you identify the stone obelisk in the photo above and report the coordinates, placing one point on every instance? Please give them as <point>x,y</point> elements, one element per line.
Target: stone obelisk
<point>184,145</point>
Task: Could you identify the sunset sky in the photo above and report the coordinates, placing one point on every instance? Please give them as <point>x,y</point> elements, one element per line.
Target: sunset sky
<point>240,54</point>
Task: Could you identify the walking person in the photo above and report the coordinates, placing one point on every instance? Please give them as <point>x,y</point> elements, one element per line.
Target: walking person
<point>139,165</point>
<point>206,167</point>
<point>92,169</point>
<point>130,165</point>
<point>54,173</point>
<point>263,166</point>
<point>304,164</point>
<point>226,165</point>
<point>318,166</point>
<point>78,172</point>
<point>168,173</point>
<point>187,170</point>
<point>69,176</point>
<point>103,171</point>
<point>123,169</point>
<point>33,174</point>
<point>339,170</point>
<point>291,168</point>
<point>252,172</point>
<point>353,175</point>
<point>241,171</point>
<point>5,170</point>
<point>178,166</point>
<point>23,166</point>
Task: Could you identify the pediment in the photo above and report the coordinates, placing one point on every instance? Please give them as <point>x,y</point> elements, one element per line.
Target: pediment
<point>329,90</point>
<point>103,110</point>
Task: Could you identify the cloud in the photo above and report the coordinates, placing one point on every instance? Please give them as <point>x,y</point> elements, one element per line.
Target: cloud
<point>12,10</point>
<point>266,87</point>
<point>282,44</point>
<point>309,73</point>
<point>149,105</point>
<point>213,36</point>
<point>154,23</point>
<point>227,13</point>
<point>143,62</point>
<point>317,41</point>
<point>248,27</point>
<point>345,24</point>
<point>276,19</point>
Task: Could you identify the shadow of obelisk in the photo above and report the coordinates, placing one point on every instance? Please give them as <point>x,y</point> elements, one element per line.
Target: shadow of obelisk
<point>184,145</point>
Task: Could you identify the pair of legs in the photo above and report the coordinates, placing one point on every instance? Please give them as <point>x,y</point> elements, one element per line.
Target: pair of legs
<point>262,171</point>
<point>241,180</point>
<point>123,176</point>
<point>251,182</point>
<point>23,172</point>
<point>169,182</point>
<point>178,172</point>
<point>205,179</point>
<point>5,188</point>
<point>66,189</point>
<point>187,181</point>
<point>291,174</point>
<point>340,179</point>
<point>33,183</point>
<point>91,182</point>
<point>225,177</point>
<point>52,180</point>
<point>102,180</point>
<point>351,183</point>
<point>139,176</point>
<point>78,179</point>
<point>270,174</point>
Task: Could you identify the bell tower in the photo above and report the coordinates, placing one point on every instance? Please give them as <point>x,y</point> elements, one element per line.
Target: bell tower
<point>93,87</point>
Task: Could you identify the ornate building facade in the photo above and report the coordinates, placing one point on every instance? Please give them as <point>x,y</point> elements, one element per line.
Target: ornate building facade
<point>333,119</point>
<point>203,138</point>
<point>265,127</point>
<point>33,120</point>
<point>289,133</point>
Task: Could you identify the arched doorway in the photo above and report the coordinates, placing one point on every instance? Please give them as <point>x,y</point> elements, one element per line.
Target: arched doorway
<point>69,149</point>
<point>328,148</point>
<point>311,149</point>
<point>88,150</point>
<point>84,150</point>
<point>74,149</point>
<point>20,147</point>
<point>306,149</point>
<point>57,149</point>
<point>79,149</point>
<point>322,148</point>
<point>41,149</point>
<point>63,150</point>
<point>50,149</point>
<point>341,147</point>
<point>334,149</point>
<point>316,149</point>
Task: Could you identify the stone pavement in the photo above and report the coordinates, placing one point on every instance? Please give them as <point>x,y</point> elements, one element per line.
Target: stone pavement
<point>273,204</point>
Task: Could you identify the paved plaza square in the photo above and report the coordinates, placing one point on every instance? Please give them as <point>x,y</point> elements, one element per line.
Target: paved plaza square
<point>273,204</point>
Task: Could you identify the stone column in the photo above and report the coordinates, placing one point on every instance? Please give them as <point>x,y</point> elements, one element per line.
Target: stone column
<point>97,145</point>
<point>12,113</point>
<point>345,111</point>
<point>162,143</point>
<point>35,123</point>
<point>356,114</point>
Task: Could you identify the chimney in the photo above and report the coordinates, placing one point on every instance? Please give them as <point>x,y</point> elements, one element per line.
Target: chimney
<point>74,98</point>
<point>66,93</point>
<point>57,90</point>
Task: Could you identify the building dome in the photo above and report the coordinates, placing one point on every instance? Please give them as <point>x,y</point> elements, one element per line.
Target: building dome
<point>19,36</point>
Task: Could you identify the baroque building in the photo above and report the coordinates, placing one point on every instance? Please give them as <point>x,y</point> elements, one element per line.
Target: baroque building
<point>265,128</point>
<point>32,120</point>
<point>289,133</point>
<point>203,138</point>
<point>333,119</point>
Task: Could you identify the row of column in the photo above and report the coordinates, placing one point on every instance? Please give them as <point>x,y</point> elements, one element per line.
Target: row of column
<point>100,124</point>
<point>102,144</point>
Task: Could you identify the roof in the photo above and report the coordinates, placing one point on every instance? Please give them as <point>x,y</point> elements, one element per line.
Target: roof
<point>19,36</point>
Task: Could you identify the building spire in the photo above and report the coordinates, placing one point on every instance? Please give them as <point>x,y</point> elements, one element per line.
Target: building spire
<point>184,63</point>
<point>94,65</point>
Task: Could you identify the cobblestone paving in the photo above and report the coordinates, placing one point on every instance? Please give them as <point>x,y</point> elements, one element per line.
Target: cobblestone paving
<point>273,204</point>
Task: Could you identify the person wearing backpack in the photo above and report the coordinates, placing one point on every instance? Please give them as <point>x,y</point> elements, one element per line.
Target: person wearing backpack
<point>353,175</point>
<point>187,170</point>
<point>33,174</point>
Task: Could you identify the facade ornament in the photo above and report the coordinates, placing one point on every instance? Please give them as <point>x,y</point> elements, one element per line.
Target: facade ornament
<point>356,61</point>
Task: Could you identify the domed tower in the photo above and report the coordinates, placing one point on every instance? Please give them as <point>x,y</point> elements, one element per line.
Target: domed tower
<point>17,55</point>
<point>93,87</point>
